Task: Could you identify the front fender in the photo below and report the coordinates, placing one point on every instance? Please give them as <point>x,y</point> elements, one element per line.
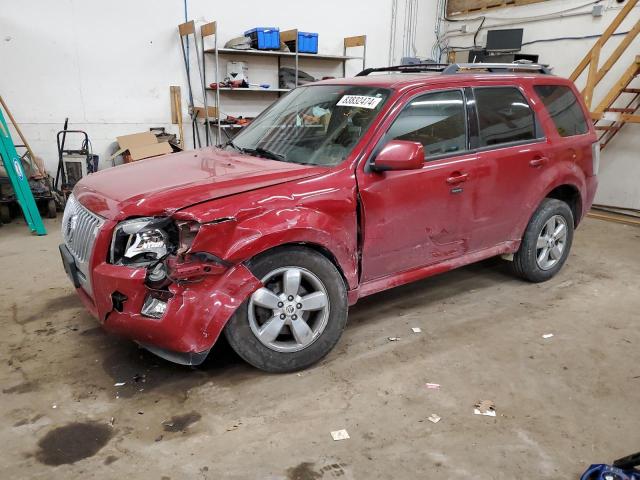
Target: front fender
<point>237,241</point>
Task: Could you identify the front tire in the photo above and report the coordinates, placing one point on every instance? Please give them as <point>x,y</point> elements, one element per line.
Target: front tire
<point>296,318</point>
<point>546,242</point>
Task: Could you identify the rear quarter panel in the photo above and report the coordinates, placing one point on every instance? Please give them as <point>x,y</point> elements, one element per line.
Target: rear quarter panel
<point>570,158</point>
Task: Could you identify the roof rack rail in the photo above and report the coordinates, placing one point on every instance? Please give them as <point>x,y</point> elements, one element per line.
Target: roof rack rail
<point>415,68</point>
<point>497,67</point>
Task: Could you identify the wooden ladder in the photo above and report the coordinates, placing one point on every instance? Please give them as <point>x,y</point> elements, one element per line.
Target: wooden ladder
<point>608,118</point>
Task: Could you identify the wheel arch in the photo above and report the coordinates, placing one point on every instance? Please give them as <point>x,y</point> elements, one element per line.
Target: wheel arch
<point>570,194</point>
<point>316,247</point>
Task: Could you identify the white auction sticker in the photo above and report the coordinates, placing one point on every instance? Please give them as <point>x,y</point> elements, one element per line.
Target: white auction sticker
<point>360,101</point>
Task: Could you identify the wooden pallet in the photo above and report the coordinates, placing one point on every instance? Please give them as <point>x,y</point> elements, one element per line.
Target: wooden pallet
<point>462,7</point>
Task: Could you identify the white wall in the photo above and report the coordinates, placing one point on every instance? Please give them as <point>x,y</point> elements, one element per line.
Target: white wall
<point>620,166</point>
<point>108,65</point>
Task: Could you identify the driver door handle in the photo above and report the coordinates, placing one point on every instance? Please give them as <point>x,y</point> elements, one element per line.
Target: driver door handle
<point>457,177</point>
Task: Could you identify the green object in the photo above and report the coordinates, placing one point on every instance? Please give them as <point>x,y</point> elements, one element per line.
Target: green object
<point>19,180</point>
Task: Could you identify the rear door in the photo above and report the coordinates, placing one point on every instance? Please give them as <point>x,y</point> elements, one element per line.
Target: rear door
<point>513,147</point>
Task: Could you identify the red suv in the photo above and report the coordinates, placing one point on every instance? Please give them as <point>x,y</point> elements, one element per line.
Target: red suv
<point>340,189</point>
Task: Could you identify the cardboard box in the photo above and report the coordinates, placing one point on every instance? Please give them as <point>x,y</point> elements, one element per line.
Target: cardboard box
<point>140,145</point>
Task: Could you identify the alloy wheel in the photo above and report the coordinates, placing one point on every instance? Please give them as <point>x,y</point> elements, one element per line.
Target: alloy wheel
<point>551,243</point>
<point>290,311</point>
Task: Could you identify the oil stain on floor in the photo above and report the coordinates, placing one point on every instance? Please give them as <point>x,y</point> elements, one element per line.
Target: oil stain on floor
<point>73,442</point>
<point>180,423</point>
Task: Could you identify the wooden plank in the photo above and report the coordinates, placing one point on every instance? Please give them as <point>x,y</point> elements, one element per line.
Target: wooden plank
<point>620,110</point>
<point>357,41</point>
<point>625,219</point>
<point>187,28</point>
<point>630,118</point>
<point>15,125</point>
<point>617,53</point>
<point>289,36</point>
<point>208,29</point>
<point>631,90</point>
<point>460,7</point>
<point>213,112</point>
<point>623,82</point>
<point>593,72</point>
<point>605,36</point>
<point>174,91</point>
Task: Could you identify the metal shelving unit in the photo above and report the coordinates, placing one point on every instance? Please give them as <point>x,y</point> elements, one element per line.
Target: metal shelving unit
<point>210,29</point>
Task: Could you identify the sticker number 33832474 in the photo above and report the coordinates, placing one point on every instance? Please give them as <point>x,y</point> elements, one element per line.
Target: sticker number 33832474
<point>359,101</point>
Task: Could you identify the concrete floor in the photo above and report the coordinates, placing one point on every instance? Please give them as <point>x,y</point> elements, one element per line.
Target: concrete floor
<point>562,403</point>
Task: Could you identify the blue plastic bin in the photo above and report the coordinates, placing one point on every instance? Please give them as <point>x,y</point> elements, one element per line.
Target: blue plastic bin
<point>264,38</point>
<point>307,43</point>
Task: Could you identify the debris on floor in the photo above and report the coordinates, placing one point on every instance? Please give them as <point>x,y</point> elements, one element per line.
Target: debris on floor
<point>485,407</point>
<point>432,386</point>
<point>340,435</point>
<point>547,335</point>
<point>119,384</point>
<point>233,427</point>
<point>394,339</point>
<point>433,418</point>
<point>416,329</point>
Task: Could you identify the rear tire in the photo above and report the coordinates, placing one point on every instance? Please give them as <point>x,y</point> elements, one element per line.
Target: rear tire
<point>296,318</point>
<point>546,242</point>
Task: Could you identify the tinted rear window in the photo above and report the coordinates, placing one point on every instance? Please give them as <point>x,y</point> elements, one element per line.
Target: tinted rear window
<point>564,109</point>
<point>504,116</point>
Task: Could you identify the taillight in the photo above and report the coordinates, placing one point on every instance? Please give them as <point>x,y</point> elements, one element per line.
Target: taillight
<point>595,157</point>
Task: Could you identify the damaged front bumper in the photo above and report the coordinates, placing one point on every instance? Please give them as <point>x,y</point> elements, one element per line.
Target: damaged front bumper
<point>196,309</point>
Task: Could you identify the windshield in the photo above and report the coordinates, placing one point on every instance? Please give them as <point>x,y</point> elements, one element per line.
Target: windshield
<point>313,125</point>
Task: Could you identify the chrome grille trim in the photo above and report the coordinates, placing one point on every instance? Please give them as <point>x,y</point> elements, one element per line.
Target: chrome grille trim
<point>79,229</point>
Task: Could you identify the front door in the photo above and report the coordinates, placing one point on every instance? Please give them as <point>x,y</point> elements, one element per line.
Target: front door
<point>415,218</point>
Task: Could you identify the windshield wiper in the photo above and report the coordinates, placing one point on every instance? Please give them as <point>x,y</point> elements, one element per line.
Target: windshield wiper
<point>258,151</point>
<point>269,154</point>
<point>263,152</point>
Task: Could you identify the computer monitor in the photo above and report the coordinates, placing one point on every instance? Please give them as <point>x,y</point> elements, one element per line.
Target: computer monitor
<point>509,40</point>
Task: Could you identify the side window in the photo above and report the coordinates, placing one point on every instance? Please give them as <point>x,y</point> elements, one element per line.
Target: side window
<point>437,120</point>
<point>504,116</point>
<point>564,109</point>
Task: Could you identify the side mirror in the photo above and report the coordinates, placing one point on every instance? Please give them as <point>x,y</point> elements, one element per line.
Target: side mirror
<point>399,155</point>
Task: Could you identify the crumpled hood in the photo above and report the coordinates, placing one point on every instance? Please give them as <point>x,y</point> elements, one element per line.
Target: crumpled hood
<point>163,185</point>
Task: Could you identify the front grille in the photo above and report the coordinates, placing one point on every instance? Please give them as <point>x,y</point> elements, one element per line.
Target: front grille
<point>79,229</point>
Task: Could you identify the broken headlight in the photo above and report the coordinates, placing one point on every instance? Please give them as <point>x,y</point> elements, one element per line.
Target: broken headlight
<point>139,242</point>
